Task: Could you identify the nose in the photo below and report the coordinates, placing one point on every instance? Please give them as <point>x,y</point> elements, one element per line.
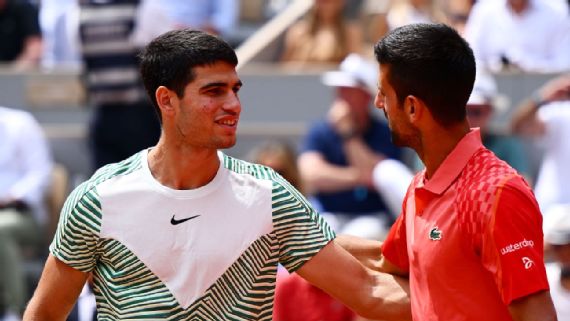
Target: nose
<point>378,101</point>
<point>233,103</point>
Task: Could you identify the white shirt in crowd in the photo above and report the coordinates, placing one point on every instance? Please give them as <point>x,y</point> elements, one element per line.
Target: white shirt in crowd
<point>25,160</point>
<point>538,40</point>
<point>554,173</point>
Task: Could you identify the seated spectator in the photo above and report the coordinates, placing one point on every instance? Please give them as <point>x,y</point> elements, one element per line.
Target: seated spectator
<point>374,15</point>
<point>21,44</point>
<point>281,157</point>
<point>456,13</point>
<point>557,238</point>
<point>214,16</point>
<point>156,17</point>
<point>340,153</point>
<point>546,114</point>
<point>59,25</point>
<point>404,12</point>
<point>324,36</point>
<point>481,106</point>
<point>526,35</point>
<point>25,169</point>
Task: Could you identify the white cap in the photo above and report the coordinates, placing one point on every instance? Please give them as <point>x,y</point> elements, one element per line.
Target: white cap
<point>557,225</point>
<point>484,90</point>
<point>354,71</point>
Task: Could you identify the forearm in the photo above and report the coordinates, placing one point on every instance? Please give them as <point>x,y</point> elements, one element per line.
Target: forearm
<point>372,294</point>
<point>390,299</point>
<point>366,251</point>
<point>525,121</point>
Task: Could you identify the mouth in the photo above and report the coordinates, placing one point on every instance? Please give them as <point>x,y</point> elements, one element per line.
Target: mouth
<point>228,122</point>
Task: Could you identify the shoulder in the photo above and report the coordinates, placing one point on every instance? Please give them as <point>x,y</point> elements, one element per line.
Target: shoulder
<point>88,189</point>
<point>481,179</point>
<point>486,168</point>
<point>254,171</point>
<point>16,114</point>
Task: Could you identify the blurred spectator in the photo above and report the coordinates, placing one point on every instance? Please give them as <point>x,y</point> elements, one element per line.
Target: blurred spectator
<point>21,43</point>
<point>480,110</point>
<point>547,115</point>
<point>375,17</point>
<point>339,154</point>
<point>59,24</point>
<point>281,157</point>
<point>324,36</point>
<point>124,120</point>
<point>404,12</point>
<point>528,35</point>
<point>214,16</point>
<point>25,169</point>
<point>456,13</point>
<point>557,237</point>
<point>156,17</point>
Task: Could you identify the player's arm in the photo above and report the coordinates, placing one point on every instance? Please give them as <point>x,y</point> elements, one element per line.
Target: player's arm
<point>366,251</point>
<point>537,306</point>
<point>520,274</point>
<point>369,253</point>
<point>371,294</point>
<point>57,291</point>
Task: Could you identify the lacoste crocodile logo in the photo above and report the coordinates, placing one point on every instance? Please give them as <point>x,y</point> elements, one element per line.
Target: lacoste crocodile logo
<point>174,221</point>
<point>435,234</point>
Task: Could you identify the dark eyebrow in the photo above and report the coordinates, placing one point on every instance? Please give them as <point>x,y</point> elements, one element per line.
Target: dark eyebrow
<point>219,84</point>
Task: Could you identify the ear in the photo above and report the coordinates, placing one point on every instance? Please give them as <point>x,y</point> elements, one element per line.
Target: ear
<point>414,108</point>
<point>166,100</point>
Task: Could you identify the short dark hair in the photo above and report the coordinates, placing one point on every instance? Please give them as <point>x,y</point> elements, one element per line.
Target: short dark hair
<point>432,62</point>
<point>169,59</point>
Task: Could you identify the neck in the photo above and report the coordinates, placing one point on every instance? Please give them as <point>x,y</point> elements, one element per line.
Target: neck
<point>182,168</point>
<point>440,142</point>
<point>519,7</point>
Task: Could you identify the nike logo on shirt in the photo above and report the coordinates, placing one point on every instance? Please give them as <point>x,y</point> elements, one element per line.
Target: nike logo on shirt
<point>174,221</point>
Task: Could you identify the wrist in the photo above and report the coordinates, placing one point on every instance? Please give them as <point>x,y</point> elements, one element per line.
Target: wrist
<point>538,99</point>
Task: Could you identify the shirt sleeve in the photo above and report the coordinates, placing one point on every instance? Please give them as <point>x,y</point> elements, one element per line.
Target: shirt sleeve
<point>30,20</point>
<point>512,245</point>
<point>301,231</point>
<point>394,247</point>
<point>76,239</point>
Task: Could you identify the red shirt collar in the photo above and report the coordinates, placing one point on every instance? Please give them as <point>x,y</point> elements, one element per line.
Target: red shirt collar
<point>454,163</point>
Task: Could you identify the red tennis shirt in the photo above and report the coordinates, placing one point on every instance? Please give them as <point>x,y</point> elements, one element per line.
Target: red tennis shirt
<point>470,238</point>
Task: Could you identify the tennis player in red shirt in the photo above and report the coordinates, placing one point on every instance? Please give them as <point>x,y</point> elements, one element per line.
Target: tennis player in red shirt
<point>470,234</point>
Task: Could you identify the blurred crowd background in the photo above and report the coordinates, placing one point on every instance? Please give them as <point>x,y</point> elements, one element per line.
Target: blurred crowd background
<point>71,101</point>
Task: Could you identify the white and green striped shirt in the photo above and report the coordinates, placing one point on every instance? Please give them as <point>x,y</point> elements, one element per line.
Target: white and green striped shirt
<point>204,254</point>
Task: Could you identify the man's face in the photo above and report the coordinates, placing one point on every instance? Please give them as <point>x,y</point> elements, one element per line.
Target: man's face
<point>208,113</point>
<point>359,101</point>
<point>403,132</point>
